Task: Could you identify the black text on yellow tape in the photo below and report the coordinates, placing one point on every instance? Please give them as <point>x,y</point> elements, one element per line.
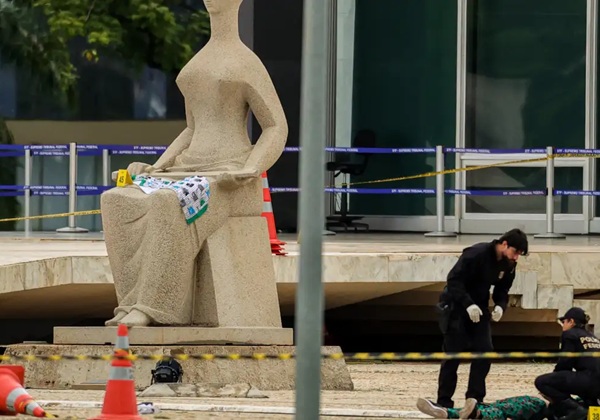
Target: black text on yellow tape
<point>288,356</point>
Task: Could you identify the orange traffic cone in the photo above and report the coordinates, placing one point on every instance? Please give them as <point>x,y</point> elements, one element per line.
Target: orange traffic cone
<point>119,400</point>
<point>13,397</point>
<point>276,244</point>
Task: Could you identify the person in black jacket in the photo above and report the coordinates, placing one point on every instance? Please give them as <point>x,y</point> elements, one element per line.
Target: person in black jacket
<point>464,314</point>
<point>573,376</point>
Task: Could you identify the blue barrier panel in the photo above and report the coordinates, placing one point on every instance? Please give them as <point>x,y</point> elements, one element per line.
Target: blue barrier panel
<point>49,187</point>
<point>380,190</point>
<point>371,150</point>
<point>84,190</point>
<point>495,193</point>
<point>577,193</point>
<point>54,190</point>
<point>490,193</point>
<point>39,150</point>
<point>577,151</point>
<point>117,149</point>
<point>38,147</point>
<point>136,150</point>
<point>362,190</point>
<point>12,147</point>
<point>50,193</point>
<point>13,187</point>
<point>49,153</point>
<point>493,151</point>
<point>11,193</point>
<point>12,154</point>
<point>90,150</point>
<point>48,149</point>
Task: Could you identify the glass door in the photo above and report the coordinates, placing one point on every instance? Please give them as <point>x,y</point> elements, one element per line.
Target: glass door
<point>524,87</point>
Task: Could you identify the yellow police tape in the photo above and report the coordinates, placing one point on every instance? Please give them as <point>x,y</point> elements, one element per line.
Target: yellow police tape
<point>51,216</point>
<point>414,356</point>
<point>125,181</point>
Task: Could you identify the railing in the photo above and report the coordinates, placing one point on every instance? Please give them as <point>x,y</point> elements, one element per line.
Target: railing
<point>74,151</point>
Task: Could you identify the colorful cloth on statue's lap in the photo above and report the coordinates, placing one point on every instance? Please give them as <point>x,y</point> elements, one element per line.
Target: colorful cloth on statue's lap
<point>193,193</point>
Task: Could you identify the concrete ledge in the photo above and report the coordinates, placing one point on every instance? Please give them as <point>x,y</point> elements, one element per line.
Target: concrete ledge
<point>268,374</point>
<point>153,336</point>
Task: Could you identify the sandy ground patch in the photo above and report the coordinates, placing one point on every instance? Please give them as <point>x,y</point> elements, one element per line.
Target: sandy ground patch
<point>377,387</point>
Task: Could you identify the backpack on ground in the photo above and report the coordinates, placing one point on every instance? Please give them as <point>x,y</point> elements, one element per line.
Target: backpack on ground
<point>167,371</point>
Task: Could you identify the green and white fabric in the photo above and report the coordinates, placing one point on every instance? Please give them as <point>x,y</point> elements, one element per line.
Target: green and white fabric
<point>192,192</point>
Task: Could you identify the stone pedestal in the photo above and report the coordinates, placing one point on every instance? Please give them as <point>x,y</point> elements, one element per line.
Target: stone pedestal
<point>153,336</point>
<point>267,374</point>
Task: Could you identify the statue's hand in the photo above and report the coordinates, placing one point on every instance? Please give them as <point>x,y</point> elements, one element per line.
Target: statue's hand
<point>235,180</point>
<point>138,168</point>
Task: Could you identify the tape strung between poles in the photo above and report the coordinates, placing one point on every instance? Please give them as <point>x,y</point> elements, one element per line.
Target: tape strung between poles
<point>378,181</point>
<point>413,356</point>
<point>52,216</point>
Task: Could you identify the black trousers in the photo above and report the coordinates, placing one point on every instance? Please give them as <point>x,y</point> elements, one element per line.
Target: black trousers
<point>461,334</point>
<point>559,386</point>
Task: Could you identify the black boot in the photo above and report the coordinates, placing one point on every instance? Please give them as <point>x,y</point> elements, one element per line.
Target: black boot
<point>570,410</point>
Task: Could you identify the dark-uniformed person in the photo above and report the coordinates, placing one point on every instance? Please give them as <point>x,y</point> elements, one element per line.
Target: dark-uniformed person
<point>573,376</point>
<point>463,306</point>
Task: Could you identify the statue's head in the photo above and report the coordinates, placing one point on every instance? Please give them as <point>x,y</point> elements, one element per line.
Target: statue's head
<point>219,6</point>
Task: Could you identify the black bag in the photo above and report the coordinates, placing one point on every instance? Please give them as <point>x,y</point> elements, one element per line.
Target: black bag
<point>167,371</point>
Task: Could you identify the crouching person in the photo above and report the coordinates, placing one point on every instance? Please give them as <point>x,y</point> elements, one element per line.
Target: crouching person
<point>573,376</point>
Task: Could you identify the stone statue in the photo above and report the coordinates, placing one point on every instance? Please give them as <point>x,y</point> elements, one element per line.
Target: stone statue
<point>152,251</point>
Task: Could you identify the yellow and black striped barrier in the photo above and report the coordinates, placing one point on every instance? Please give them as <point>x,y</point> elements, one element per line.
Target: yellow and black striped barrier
<point>414,356</point>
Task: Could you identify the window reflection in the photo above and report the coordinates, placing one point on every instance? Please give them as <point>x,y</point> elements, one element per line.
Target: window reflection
<point>526,73</point>
<point>526,65</point>
<point>522,179</point>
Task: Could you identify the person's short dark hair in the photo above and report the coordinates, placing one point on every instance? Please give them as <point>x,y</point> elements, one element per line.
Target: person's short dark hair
<point>576,314</point>
<point>517,239</point>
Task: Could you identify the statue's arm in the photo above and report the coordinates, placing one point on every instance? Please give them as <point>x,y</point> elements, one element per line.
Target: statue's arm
<point>181,143</point>
<point>266,107</point>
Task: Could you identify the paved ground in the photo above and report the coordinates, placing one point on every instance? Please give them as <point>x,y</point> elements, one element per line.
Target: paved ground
<point>377,387</point>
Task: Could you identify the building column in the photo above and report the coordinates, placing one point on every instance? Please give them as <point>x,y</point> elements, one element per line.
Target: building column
<point>345,72</point>
<point>346,12</point>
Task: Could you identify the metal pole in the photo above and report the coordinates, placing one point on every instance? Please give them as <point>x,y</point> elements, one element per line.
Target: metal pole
<point>72,228</point>
<point>27,194</point>
<point>461,102</point>
<point>589,203</point>
<point>331,105</point>
<point>440,196</point>
<point>550,199</point>
<point>105,168</point>
<point>313,133</point>
<point>106,173</point>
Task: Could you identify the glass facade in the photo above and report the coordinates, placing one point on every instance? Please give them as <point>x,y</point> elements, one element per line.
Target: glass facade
<point>526,73</point>
<point>107,92</point>
<point>518,179</point>
<point>521,67</point>
<point>404,90</point>
<point>526,83</point>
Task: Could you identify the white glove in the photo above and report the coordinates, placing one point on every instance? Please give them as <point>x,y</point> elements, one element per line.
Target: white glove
<point>474,313</point>
<point>497,313</point>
